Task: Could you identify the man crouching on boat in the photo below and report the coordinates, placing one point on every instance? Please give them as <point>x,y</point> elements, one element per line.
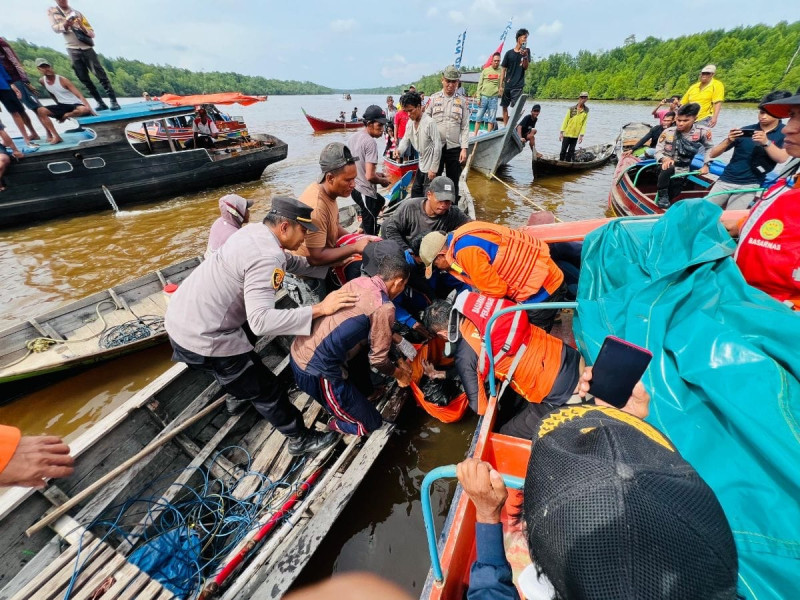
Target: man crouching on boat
<point>239,283</point>
<point>332,365</point>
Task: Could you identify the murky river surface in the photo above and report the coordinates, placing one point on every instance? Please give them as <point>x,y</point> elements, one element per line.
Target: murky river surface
<point>45,265</point>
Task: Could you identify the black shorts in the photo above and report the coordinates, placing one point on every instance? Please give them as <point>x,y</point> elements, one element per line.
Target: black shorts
<point>59,110</point>
<point>9,99</point>
<point>567,378</point>
<point>510,96</point>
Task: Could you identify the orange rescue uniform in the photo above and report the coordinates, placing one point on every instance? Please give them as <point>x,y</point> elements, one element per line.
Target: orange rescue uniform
<point>502,262</point>
<point>9,440</point>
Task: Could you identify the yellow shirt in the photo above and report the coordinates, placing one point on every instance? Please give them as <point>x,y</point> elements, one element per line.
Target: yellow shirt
<point>711,94</point>
<point>574,126</point>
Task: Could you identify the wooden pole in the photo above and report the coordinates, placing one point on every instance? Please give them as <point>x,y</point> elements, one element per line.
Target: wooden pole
<point>155,444</point>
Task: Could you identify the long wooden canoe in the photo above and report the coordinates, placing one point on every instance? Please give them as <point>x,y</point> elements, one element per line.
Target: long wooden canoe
<point>320,125</point>
<point>544,164</point>
<point>494,149</point>
<point>217,446</point>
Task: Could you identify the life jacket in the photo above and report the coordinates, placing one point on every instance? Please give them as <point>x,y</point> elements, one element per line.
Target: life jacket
<point>9,440</point>
<point>520,259</point>
<point>768,253</point>
<point>347,240</point>
<point>532,360</point>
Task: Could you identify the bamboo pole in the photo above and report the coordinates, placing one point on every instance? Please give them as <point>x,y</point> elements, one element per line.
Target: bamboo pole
<point>154,445</point>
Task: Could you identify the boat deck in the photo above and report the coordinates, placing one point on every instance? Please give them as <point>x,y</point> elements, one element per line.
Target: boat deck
<point>72,139</point>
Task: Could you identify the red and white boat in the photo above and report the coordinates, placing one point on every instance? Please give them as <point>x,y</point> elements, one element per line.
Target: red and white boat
<point>320,125</point>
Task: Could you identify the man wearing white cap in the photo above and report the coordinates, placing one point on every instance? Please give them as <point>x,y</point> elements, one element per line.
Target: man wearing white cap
<point>709,94</point>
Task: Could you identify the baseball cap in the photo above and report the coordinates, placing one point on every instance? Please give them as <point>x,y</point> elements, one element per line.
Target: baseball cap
<point>451,73</point>
<point>709,69</point>
<point>374,113</point>
<point>780,108</point>
<point>334,156</point>
<point>443,188</point>
<point>375,252</point>
<point>584,95</point>
<point>42,62</point>
<point>294,210</point>
<point>429,249</point>
<point>613,510</point>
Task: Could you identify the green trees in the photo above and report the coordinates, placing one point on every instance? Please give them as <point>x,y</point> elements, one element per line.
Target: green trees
<point>750,62</point>
<point>132,77</point>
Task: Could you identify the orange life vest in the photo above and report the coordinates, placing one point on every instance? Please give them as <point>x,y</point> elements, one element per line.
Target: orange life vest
<point>9,440</point>
<point>522,261</point>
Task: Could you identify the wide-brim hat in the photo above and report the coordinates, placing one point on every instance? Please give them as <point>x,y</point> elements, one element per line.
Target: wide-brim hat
<point>780,108</point>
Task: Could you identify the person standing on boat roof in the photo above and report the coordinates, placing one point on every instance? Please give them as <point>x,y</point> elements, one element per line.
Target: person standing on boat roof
<point>234,213</point>
<point>15,91</point>
<point>488,92</point>
<point>573,128</point>
<point>332,364</point>
<point>610,510</point>
<point>204,130</point>
<point>70,102</point>
<point>239,283</point>
<point>450,112</point>
<point>337,180</point>
<point>676,148</point>
<point>79,37</point>
<point>526,129</point>
<point>512,79</point>
<point>709,93</point>
<point>423,134</point>
<point>756,150</point>
<point>365,150</point>
<point>650,139</point>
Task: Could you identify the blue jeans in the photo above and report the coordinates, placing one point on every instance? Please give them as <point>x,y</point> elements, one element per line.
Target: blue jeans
<point>487,110</point>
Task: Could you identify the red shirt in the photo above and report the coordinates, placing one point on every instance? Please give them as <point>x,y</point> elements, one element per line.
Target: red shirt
<point>768,253</point>
<point>400,120</point>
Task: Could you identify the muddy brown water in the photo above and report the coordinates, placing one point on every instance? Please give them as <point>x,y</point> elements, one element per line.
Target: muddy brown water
<point>45,265</point>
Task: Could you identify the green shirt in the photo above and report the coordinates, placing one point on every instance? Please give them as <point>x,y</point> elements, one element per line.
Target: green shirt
<point>489,83</point>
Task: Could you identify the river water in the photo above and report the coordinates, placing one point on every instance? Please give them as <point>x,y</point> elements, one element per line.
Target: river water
<point>47,264</point>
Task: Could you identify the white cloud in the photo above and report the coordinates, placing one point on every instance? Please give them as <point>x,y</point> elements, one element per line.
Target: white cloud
<point>550,29</point>
<point>456,16</point>
<point>343,25</point>
<point>485,7</point>
<point>432,11</point>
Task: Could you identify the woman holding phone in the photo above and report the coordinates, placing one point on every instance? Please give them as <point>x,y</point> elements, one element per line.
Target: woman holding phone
<point>756,150</point>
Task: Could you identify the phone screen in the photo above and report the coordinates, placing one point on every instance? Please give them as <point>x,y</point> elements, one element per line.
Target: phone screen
<point>619,366</point>
<point>747,132</point>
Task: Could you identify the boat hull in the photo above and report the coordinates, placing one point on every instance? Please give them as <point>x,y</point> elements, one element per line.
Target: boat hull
<point>34,193</point>
<point>490,151</point>
<point>548,165</point>
<point>395,170</point>
<point>321,125</point>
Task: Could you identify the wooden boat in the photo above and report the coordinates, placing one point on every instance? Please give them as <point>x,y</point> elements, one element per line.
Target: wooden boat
<point>630,133</point>
<point>216,446</point>
<point>496,148</point>
<point>395,170</point>
<point>633,189</point>
<point>125,318</point>
<point>320,125</point>
<point>544,164</point>
<point>70,177</point>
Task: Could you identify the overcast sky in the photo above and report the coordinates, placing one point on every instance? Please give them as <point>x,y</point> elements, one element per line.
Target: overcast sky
<point>361,43</point>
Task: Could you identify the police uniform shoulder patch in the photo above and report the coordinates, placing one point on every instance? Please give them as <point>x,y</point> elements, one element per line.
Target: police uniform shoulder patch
<point>277,278</point>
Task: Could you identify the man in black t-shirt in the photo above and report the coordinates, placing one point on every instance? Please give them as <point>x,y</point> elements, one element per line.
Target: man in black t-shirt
<point>512,78</point>
<point>527,127</point>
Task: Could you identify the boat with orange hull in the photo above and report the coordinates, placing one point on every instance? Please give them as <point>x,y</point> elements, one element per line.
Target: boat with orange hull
<point>321,125</point>
<point>452,557</point>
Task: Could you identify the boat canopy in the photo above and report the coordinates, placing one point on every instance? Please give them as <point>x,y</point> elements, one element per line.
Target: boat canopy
<point>136,111</point>
<point>221,98</point>
<point>725,376</point>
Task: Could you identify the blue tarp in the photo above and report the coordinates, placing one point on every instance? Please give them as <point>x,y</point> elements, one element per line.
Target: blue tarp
<point>725,375</point>
<point>172,560</point>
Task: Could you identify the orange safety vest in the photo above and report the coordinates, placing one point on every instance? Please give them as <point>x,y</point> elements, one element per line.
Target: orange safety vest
<point>9,440</point>
<point>521,260</point>
<point>535,372</point>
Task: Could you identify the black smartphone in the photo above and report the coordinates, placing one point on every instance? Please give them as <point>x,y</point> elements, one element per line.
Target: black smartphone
<point>619,366</point>
<point>747,132</point>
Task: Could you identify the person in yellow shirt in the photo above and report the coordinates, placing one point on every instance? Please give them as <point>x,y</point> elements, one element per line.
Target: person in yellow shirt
<point>573,128</point>
<point>709,93</point>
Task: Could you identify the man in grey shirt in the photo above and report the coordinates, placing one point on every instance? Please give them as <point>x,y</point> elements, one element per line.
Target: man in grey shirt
<point>237,285</point>
<point>423,134</point>
<point>365,150</point>
<point>418,216</point>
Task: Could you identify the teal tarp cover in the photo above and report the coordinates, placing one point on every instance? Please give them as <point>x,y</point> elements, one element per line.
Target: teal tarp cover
<point>725,374</point>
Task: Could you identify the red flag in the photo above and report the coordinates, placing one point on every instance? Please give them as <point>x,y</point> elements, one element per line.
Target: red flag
<point>488,63</point>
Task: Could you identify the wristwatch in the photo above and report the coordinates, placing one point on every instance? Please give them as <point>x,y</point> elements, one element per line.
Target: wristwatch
<point>767,144</point>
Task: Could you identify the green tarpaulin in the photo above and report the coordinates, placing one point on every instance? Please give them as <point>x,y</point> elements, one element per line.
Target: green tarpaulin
<point>725,375</point>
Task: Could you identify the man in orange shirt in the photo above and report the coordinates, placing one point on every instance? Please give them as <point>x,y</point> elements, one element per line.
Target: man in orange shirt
<point>499,262</point>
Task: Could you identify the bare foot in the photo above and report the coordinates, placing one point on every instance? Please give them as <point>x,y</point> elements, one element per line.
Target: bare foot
<point>57,140</point>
